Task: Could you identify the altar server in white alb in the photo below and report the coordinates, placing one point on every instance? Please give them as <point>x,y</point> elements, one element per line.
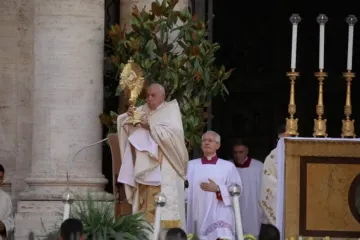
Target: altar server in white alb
<point>250,171</point>
<point>6,213</point>
<point>210,213</point>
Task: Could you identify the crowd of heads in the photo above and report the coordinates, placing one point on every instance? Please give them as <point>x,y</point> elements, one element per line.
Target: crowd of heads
<point>71,229</point>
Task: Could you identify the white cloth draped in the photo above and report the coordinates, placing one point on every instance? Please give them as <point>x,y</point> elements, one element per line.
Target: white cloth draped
<point>280,164</point>
<point>6,213</point>
<point>251,211</point>
<point>207,216</point>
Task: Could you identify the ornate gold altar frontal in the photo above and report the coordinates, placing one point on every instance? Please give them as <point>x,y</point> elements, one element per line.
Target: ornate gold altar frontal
<point>321,177</point>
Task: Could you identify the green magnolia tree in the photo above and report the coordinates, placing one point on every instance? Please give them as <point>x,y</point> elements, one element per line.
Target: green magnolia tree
<point>172,49</point>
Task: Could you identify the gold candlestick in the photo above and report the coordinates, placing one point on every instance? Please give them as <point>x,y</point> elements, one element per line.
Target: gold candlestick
<point>348,129</point>
<point>291,123</point>
<point>320,123</point>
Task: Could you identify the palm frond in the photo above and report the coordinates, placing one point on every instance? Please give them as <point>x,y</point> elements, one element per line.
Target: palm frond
<point>100,223</point>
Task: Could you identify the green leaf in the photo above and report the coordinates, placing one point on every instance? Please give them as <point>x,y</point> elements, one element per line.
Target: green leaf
<point>150,46</point>
<point>186,57</point>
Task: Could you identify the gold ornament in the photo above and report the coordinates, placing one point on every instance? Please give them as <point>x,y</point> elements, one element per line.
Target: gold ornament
<point>131,78</point>
<point>348,129</point>
<point>320,123</point>
<point>291,122</point>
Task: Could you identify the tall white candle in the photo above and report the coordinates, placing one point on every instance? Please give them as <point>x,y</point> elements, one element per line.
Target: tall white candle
<point>321,19</point>
<point>66,211</point>
<point>294,19</point>
<point>238,223</point>
<point>322,46</point>
<point>351,20</point>
<point>293,46</point>
<point>157,223</point>
<point>350,47</point>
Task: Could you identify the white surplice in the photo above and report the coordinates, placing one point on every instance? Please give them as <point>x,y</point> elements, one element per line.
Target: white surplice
<point>208,217</point>
<point>6,213</point>
<point>251,211</point>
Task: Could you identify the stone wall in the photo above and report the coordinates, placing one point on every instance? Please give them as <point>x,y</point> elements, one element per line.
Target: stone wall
<point>51,94</point>
<point>16,67</point>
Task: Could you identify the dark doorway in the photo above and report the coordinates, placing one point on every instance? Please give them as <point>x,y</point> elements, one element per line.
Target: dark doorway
<point>255,39</point>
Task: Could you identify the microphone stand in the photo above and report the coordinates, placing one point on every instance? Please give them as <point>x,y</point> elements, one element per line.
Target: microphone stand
<point>67,196</point>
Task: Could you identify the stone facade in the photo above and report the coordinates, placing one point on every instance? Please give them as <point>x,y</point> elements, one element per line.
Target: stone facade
<point>51,94</point>
<point>16,66</point>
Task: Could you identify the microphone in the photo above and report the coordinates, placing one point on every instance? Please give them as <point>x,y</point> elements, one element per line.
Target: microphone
<point>70,161</point>
<point>67,196</point>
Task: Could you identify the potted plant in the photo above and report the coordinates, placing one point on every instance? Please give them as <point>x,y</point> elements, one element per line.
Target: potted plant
<point>100,223</point>
<point>172,48</point>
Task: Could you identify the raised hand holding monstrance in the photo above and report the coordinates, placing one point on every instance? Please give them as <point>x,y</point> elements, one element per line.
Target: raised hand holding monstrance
<point>131,78</point>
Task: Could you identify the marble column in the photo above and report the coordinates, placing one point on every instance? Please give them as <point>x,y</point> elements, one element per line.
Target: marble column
<point>67,100</point>
<point>8,55</point>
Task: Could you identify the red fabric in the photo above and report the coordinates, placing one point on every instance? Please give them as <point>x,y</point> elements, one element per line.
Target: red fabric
<point>245,164</point>
<point>218,196</point>
<point>213,160</point>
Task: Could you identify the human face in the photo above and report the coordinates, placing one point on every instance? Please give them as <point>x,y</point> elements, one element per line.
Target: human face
<point>2,178</point>
<point>209,145</point>
<point>154,97</point>
<point>240,153</point>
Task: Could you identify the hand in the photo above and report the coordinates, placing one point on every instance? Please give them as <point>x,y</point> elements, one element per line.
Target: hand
<point>2,227</point>
<point>211,186</point>
<point>131,110</point>
<point>145,123</point>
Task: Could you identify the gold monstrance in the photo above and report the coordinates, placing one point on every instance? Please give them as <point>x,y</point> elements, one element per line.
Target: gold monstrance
<point>131,78</point>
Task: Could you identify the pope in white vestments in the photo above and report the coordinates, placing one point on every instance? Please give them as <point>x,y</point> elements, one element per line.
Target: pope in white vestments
<point>154,158</point>
<point>268,197</point>
<point>250,171</point>
<point>6,213</point>
<point>210,214</point>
